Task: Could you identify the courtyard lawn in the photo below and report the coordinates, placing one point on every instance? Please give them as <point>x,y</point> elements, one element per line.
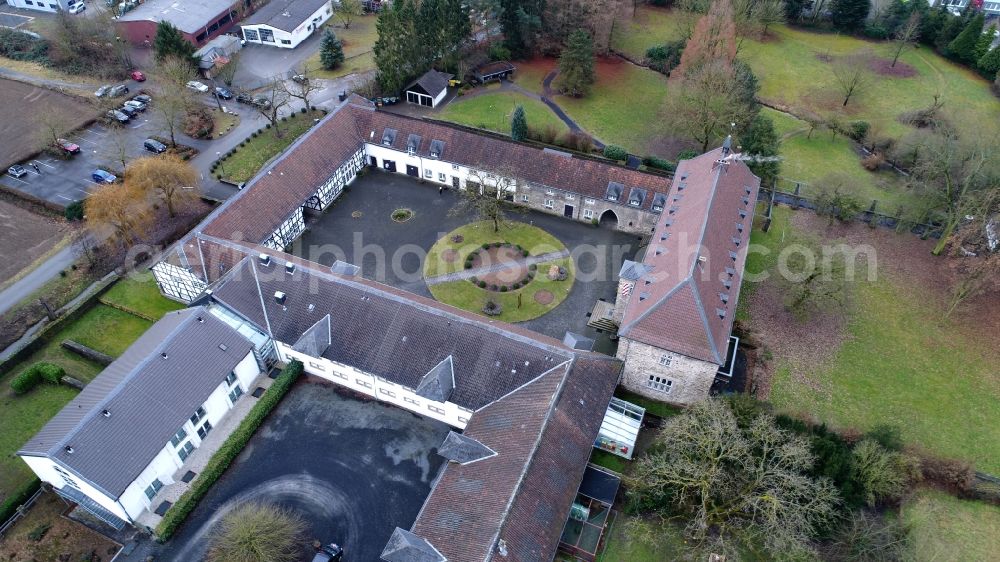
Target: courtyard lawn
<point>650,26</point>
<point>103,328</point>
<point>140,295</point>
<point>357,42</point>
<point>258,151</point>
<point>493,111</point>
<point>475,234</point>
<point>947,529</point>
<point>224,122</point>
<point>808,160</point>
<point>792,74</point>
<point>467,296</point>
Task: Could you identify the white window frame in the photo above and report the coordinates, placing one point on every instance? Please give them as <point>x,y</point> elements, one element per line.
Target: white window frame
<point>155,486</point>
<point>550,203</point>
<point>428,173</point>
<point>666,359</point>
<point>524,197</point>
<point>442,177</point>
<point>588,213</point>
<point>660,384</point>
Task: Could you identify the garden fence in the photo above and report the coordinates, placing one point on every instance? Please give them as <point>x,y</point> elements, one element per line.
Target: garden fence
<point>21,511</point>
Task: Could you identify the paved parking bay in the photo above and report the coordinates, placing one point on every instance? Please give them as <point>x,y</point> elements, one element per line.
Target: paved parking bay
<point>8,19</point>
<point>64,181</point>
<point>353,470</point>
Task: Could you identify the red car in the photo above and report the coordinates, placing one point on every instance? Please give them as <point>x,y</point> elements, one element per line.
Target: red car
<point>138,76</point>
<point>69,147</point>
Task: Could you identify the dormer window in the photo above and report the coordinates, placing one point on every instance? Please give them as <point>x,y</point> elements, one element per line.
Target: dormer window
<point>388,137</point>
<point>612,197</point>
<point>724,297</point>
<point>720,312</point>
<point>736,241</point>
<point>681,186</point>
<point>743,214</point>
<point>634,202</point>
<point>739,227</point>
<point>437,148</point>
<point>657,208</point>
<point>732,256</point>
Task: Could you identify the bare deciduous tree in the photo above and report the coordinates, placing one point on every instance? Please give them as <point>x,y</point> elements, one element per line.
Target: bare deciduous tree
<point>116,146</point>
<point>724,478</point>
<point>975,253</point>
<point>486,194</point>
<point>707,104</point>
<point>906,36</point>
<point>852,75</point>
<point>228,71</point>
<point>271,102</point>
<point>303,85</point>
<point>347,11</point>
<point>166,177</point>
<point>175,98</point>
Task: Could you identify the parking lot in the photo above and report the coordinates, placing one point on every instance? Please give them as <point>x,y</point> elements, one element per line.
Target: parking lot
<point>353,470</point>
<point>64,181</point>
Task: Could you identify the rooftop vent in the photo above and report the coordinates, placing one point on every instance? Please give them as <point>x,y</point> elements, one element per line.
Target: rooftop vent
<point>279,297</point>
<point>68,449</point>
<point>201,320</point>
<point>311,307</point>
<point>163,355</point>
<point>265,260</point>
<point>743,214</point>
<point>643,296</point>
<point>681,186</point>
<point>721,312</point>
<point>702,259</point>
<point>223,347</point>
<point>289,267</point>
<point>106,413</point>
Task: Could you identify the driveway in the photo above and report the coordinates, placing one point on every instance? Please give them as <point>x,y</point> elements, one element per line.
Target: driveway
<point>392,252</point>
<point>353,470</point>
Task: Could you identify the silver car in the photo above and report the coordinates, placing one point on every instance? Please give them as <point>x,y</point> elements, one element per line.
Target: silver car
<point>102,91</point>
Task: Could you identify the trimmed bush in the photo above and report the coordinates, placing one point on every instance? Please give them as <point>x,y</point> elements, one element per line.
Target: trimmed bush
<point>524,253</point>
<point>504,288</point>
<point>482,284</point>
<point>659,163</point>
<point>232,447</point>
<point>468,265</point>
<point>687,154</point>
<point>303,110</point>
<point>49,372</point>
<point>615,152</point>
<point>486,246</point>
<point>26,380</point>
<point>532,267</point>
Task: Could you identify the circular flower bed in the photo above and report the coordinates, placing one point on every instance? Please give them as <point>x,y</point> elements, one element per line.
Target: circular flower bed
<point>402,215</point>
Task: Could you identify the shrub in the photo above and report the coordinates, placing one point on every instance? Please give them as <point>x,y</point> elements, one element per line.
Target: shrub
<point>686,154</point>
<point>952,475</point>
<point>493,287</point>
<point>659,163</point>
<point>883,475</point>
<point>482,284</point>
<point>499,52</point>
<point>303,110</point>
<point>74,211</point>
<point>858,130</point>
<point>873,161</point>
<point>468,265</point>
<point>546,134</point>
<point>615,152</point>
<point>486,246</point>
<point>475,280</point>
<point>26,380</point>
<point>232,447</point>
<point>49,372</point>
<point>492,308</point>
<point>516,285</point>
<point>532,267</point>
<point>504,288</point>
<point>10,504</point>
<point>62,273</point>
<point>267,126</point>
<point>39,532</point>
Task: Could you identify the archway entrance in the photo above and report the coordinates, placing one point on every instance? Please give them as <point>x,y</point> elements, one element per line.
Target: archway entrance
<point>608,220</point>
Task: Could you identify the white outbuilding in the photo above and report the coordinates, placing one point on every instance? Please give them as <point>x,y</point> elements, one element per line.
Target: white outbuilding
<point>286,23</point>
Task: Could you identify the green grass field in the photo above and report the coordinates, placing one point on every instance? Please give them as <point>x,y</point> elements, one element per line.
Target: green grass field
<point>493,111</point>
<point>531,238</point>
<point>103,328</point>
<point>139,293</point>
<point>250,158</point>
<point>465,295</point>
<point>357,43</point>
<point>650,26</point>
<point>947,529</point>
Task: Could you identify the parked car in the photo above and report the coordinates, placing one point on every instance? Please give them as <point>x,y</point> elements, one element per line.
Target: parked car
<point>137,105</point>
<point>77,8</point>
<point>128,110</point>
<point>300,78</point>
<point>154,145</point>
<point>102,91</point>
<point>244,97</point>
<point>329,553</point>
<point>223,93</point>
<point>138,76</point>
<point>68,147</point>
<point>262,103</point>
<point>101,176</point>
<point>119,90</point>
<point>197,86</point>
<point>17,171</point>
<point>115,115</point>
<point>142,98</point>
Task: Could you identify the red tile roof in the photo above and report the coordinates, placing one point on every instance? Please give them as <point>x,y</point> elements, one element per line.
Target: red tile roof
<point>695,249</point>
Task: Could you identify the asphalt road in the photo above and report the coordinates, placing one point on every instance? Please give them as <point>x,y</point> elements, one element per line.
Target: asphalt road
<point>36,278</point>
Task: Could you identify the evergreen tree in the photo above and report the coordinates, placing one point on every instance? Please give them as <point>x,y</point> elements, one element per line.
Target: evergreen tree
<point>169,42</point>
<point>984,42</point>
<point>793,9</point>
<point>849,15</point>
<point>397,55</point>
<point>520,21</point>
<point>331,51</point>
<point>576,64</point>
<point>519,124</point>
<point>761,140</point>
<point>951,26</point>
<point>963,47</point>
<point>989,63</point>
<point>932,23</point>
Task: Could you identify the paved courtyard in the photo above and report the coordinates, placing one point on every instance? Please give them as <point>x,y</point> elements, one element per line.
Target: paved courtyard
<point>359,228</point>
<point>353,470</point>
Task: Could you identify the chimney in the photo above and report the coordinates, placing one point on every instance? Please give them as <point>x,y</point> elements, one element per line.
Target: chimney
<point>727,145</point>
<point>289,267</point>
<point>265,260</point>
<point>279,297</point>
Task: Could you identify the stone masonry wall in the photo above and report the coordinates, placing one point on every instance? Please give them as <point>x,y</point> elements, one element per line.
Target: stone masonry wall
<point>690,378</point>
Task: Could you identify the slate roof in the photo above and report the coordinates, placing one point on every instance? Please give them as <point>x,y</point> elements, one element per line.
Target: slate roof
<point>189,16</point>
<point>285,15</point>
<point>439,382</point>
<point>699,246</point>
<point>403,336</point>
<point>404,546</point>
<point>148,397</point>
<point>463,450</point>
<point>431,83</point>
<point>543,434</point>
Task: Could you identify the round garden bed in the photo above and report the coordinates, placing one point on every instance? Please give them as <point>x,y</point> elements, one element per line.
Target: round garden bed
<point>402,215</point>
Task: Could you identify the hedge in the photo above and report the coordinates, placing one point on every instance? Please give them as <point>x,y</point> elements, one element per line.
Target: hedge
<point>17,499</point>
<point>35,375</point>
<point>615,152</point>
<point>659,163</point>
<point>232,447</point>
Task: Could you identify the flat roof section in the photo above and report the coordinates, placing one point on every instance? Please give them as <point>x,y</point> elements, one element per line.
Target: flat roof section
<point>186,15</point>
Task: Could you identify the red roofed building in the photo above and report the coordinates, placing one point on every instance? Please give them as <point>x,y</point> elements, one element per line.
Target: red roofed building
<point>676,307</point>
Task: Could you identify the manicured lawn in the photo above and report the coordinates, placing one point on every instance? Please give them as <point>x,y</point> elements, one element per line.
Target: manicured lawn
<point>947,529</point>
<point>139,293</point>
<point>609,461</point>
<point>493,111</point>
<point>792,74</point>
<point>357,42</point>
<point>531,238</point>
<point>623,107</point>
<point>103,328</point>
<point>223,122</point>
<point>467,296</point>
<point>650,26</point>
<point>652,406</point>
<point>250,158</point>
<point>808,160</point>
